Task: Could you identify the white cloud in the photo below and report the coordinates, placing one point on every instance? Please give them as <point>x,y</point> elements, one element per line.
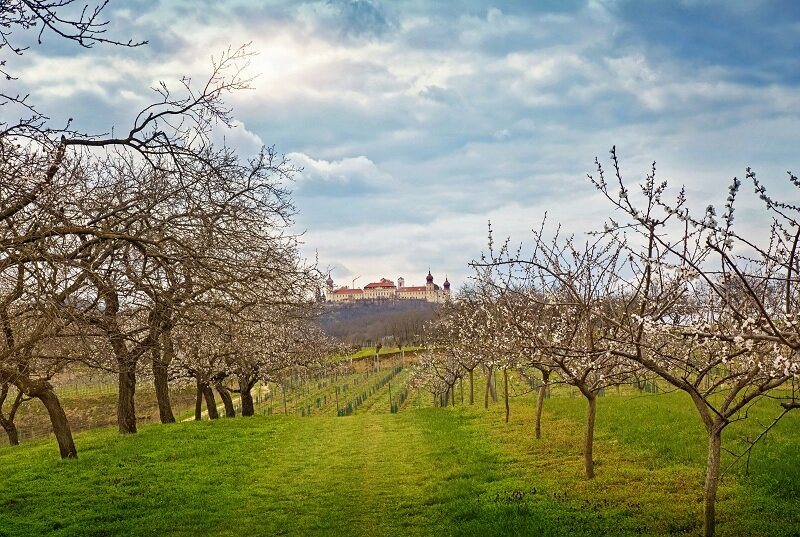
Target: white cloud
<point>501,134</point>
<point>351,170</point>
<point>238,137</point>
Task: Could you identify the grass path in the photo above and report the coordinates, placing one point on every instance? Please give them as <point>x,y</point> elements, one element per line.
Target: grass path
<point>418,473</point>
<point>378,402</point>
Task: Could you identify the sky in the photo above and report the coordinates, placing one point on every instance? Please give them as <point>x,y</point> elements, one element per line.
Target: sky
<point>417,123</point>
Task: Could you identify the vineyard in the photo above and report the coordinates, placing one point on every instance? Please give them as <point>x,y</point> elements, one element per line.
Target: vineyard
<point>90,400</point>
<point>339,395</point>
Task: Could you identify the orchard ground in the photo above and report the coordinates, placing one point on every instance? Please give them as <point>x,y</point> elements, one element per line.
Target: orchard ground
<point>421,471</point>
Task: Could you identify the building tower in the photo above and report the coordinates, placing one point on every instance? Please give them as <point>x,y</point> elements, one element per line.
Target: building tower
<point>329,287</point>
<point>446,286</point>
<point>429,281</point>
<point>401,282</point>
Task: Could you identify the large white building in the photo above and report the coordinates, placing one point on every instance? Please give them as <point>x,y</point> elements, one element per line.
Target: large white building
<point>387,290</point>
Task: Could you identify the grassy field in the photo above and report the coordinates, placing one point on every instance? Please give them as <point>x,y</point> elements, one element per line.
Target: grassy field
<point>455,471</point>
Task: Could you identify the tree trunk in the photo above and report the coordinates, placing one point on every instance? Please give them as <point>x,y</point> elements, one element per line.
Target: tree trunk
<point>198,403</point>
<point>540,403</point>
<point>58,419</point>
<point>588,441</point>
<point>211,402</point>
<point>161,384</point>
<point>11,432</point>
<point>8,422</point>
<point>505,390</point>
<point>13,435</point>
<point>471,387</point>
<point>126,407</point>
<point>227,400</point>
<point>712,481</point>
<point>453,394</point>
<point>461,388</point>
<point>493,387</point>
<point>488,389</point>
<point>245,385</point>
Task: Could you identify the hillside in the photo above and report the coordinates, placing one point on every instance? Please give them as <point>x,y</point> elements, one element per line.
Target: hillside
<point>423,471</point>
<point>367,322</point>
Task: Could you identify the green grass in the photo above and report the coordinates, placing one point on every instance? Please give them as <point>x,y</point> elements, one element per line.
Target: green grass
<point>667,430</point>
<point>365,353</point>
<point>455,471</point>
<point>421,473</point>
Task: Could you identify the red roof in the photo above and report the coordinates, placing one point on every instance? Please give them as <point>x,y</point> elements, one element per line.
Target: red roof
<point>406,289</point>
<point>383,284</point>
<point>347,291</point>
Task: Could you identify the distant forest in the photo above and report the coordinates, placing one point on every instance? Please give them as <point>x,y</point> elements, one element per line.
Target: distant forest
<point>366,323</point>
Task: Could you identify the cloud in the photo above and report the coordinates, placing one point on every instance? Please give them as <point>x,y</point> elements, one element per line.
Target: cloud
<point>711,33</point>
<point>346,18</point>
<point>349,176</point>
<point>502,134</point>
<point>438,94</point>
<point>238,137</point>
<point>416,123</point>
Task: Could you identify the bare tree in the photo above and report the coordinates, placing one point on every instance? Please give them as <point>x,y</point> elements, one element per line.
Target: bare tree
<point>572,286</point>
<point>33,285</point>
<point>7,418</point>
<point>48,244</point>
<point>69,21</point>
<point>716,324</point>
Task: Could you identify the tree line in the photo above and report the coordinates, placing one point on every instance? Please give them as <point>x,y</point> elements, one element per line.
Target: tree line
<point>368,323</point>
<point>150,253</point>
